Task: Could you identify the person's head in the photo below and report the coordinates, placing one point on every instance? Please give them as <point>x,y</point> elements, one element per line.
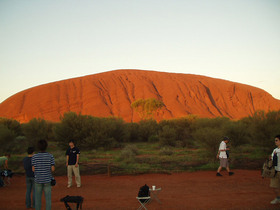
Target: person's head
<point>42,145</point>
<point>71,144</point>
<point>277,140</point>
<point>30,150</point>
<point>226,139</point>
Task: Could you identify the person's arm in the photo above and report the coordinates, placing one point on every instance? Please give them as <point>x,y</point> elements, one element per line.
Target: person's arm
<point>53,168</point>
<point>33,168</point>
<point>77,162</point>
<point>6,164</point>
<point>67,159</point>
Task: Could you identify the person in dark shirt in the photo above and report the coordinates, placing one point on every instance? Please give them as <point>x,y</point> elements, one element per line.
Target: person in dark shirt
<point>29,179</point>
<point>72,163</point>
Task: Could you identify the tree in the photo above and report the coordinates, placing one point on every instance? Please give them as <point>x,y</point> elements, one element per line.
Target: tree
<point>12,125</point>
<point>147,108</point>
<point>37,129</point>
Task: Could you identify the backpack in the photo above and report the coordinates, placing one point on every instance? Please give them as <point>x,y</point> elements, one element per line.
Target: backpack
<point>268,170</point>
<point>72,199</point>
<point>7,173</point>
<point>1,182</point>
<point>144,192</point>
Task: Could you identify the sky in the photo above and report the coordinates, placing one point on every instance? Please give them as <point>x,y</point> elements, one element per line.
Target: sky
<point>43,41</point>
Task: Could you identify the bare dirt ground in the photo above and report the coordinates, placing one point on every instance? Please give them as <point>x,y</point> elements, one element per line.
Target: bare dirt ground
<point>196,190</point>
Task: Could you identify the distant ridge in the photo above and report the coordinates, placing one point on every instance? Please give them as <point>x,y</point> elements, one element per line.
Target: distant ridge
<point>111,94</point>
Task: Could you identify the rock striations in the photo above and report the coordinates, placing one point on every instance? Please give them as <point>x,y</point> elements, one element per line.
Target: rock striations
<point>111,94</point>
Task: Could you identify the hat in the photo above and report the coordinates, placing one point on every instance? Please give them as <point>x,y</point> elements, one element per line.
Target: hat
<point>225,138</point>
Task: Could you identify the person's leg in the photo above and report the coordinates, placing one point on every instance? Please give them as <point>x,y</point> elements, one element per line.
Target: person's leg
<point>77,176</point>
<point>48,195</point>
<point>220,167</point>
<point>69,174</point>
<point>276,192</point>
<point>38,196</point>
<point>33,192</point>
<point>227,168</point>
<point>28,192</point>
<point>275,184</point>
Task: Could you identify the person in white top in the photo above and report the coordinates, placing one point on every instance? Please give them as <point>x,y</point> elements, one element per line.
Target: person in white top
<point>275,181</point>
<point>223,156</point>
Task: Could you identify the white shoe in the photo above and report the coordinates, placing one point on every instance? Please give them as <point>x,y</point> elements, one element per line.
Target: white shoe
<point>275,201</point>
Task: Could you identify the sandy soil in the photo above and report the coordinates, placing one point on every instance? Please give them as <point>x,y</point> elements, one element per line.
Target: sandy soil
<point>197,190</point>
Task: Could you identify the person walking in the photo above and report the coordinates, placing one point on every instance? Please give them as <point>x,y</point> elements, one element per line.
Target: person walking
<point>275,181</point>
<point>30,184</point>
<point>43,164</point>
<point>223,156</point>
<point>72,163</point>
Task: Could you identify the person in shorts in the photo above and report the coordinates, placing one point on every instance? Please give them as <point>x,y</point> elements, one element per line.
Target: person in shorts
<point>275,181</point>
<point>223,157</point>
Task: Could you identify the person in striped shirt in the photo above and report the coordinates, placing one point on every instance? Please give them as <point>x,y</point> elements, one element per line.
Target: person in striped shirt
<point>43,165</point>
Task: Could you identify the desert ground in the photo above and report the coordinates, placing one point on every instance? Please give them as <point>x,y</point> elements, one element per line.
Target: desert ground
<point>188,190</point>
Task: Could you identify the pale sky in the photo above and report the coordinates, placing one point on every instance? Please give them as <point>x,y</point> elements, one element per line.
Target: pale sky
<point>43,41</point>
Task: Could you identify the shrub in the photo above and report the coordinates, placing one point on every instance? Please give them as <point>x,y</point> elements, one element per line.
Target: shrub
<point>166,151</point>
<point>153,139</point>
<point>208,140</point>
<point>146,129</point>
<point>7,139</point>
<point>128,154</point>
<point>90,132</point>
<point>167,136</point>
<point>37,129</point>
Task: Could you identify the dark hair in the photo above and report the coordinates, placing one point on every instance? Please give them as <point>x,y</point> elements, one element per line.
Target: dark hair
<point>30,150</point>
<point>7,154</point>
<point>225,138</point>
<point>42,145</point>
<point>71,140</point>
<point>278,137</point>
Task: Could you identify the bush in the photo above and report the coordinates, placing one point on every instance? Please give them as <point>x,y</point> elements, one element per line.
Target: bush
<point>166,151</point>
<point>90,132</point>
<point>128,154</point>
<point>208,140</point>
<point>167,136</point>
<point>146,129</point>
<point>153,139</point>
<point>12,125</point>
<point>37,129</point>
<point>7,139</point>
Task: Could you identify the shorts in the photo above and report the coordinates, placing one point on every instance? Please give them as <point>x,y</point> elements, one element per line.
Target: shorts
<point>275,181</point>
<point>224,162</point>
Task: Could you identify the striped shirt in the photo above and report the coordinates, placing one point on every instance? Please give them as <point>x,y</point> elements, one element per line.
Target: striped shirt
<point>43,161</point>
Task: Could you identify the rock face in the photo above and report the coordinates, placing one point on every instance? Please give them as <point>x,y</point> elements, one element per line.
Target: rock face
<point>111,94</point>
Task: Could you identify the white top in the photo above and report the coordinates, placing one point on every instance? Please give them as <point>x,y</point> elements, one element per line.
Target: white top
<point>223,146</point>
<point>277,150</point>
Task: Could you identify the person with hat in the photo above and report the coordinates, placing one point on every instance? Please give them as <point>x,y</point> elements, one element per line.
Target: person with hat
<point>223,155</point>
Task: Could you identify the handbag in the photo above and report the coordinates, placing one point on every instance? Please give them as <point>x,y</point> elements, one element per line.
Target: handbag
<point>268,170</point>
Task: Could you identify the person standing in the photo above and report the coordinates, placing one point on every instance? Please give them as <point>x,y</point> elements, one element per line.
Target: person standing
<point>72,163</point>
<point>30,184</point>
<point>275,181</point>
<point>223,156</point>
<point>43,165</point>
